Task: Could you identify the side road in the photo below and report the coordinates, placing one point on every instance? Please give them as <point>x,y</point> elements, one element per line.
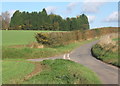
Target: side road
<point>108,74</point>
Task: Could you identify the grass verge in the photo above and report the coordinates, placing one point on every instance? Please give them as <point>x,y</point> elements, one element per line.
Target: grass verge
<point>61,71</point>
<point>27,53</point>
<point>106,55</point>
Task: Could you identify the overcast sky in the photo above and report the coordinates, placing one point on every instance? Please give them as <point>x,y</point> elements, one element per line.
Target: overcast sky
<point>100,14</point>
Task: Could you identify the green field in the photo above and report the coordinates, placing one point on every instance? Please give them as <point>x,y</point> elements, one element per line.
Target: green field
<point>15,66</point>
<point>19,37</point>
<point>14,71</point>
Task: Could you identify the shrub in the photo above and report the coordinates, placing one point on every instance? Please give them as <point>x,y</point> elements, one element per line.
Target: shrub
<point>53,39</point>
<point>56,38</point>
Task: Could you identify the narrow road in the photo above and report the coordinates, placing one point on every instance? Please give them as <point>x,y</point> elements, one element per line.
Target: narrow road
<point>108,74</point>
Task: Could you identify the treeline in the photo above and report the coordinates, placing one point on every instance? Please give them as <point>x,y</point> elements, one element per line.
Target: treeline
<point>43,21</point>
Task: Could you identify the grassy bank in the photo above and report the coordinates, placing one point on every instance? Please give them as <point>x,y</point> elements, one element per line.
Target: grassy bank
<point>26,52</point>
<point>107,56</point>
<point>107,49</point>
<point>63,72</point>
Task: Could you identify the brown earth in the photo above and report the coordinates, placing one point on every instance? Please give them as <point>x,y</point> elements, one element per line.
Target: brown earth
<point>37,70</point>
<point>31,45</point>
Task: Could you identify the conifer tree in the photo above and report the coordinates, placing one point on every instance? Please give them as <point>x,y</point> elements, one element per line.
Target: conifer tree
<point>43,21</point>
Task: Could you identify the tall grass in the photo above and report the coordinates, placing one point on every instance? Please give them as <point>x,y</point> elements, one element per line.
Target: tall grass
<point>107,56</point>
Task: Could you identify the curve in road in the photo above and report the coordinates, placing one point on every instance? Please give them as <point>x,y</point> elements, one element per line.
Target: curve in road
<point>108,74</point>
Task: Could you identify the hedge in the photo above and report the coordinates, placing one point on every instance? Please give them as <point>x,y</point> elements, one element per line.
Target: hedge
<point>53,39</point>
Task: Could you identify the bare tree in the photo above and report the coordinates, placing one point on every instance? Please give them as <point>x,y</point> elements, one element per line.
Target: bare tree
<point>5,20</point>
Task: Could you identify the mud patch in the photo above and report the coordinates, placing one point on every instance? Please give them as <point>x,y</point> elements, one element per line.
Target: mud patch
<point>37,70</point>
<point>17,46</point>
<point>31,45</point>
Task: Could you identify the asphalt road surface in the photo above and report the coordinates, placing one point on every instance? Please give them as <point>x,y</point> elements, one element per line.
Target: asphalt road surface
<point>108,74</point>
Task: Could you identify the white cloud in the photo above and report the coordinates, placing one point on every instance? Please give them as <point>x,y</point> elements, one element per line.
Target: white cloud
<point>71,6</point>
<point>91,18</point>
<point>96,0</point>
<point>11,12</point>
<point>113,17</point>
<point>51,9</point>
<point>56,0</point>
<point>91,7</point>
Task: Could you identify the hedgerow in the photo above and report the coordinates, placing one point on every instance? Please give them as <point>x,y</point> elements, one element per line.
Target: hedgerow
<point>53,39</point>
